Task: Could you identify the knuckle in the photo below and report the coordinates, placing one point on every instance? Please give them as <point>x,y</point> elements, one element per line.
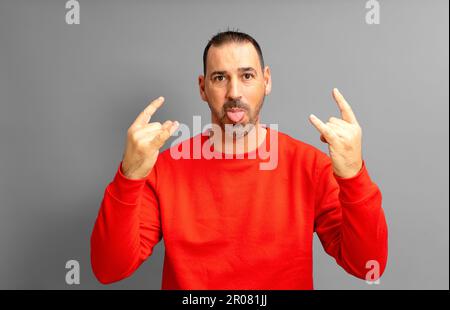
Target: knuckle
<point>140,144</point>
<point>356,131</point>
<point>157,124</point>
<point>134,138</point>
<point>130,131</point>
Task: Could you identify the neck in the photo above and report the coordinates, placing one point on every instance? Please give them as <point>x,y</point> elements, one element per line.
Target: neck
<point>238,145</point>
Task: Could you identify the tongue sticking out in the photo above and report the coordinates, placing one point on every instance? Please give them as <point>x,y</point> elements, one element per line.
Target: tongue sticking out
<point>235,115</point>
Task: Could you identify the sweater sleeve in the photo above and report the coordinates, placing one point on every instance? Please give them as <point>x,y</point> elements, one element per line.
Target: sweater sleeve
<point>127,227</point>
<point>350,222</point>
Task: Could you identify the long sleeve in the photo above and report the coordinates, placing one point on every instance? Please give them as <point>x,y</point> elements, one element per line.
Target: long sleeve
<point>349,220</point>
<point>127,227</point>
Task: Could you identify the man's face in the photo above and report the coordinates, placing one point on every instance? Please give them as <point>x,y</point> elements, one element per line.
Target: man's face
<point>235,85</point>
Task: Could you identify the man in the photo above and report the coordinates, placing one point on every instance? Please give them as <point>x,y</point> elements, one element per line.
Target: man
<point>226,223</point>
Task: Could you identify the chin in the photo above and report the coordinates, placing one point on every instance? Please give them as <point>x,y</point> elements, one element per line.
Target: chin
<point>238,130</point>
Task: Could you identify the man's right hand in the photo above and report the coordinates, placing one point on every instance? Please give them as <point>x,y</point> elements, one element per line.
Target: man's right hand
<point>144,140</point>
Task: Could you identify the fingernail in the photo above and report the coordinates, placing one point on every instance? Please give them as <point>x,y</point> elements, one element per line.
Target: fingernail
<point>161,98</point>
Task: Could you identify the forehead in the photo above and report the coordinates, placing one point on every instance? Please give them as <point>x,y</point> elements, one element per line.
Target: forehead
<point>230,56</point>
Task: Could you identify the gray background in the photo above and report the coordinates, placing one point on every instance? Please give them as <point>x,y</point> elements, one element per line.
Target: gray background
<point>69,92</point>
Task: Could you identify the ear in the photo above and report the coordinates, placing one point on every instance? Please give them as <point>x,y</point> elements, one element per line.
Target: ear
<point>201,86</point>
<point>267,80</point>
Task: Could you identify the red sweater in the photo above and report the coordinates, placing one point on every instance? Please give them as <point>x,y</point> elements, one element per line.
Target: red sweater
<point>227,224</point>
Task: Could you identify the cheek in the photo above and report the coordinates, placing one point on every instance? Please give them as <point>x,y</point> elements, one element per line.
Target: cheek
<point>215,93</point>
<point>215,96</point>
<point>254,94</point>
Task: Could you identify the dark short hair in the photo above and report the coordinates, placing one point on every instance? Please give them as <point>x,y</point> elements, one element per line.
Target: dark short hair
<point>231,36</point>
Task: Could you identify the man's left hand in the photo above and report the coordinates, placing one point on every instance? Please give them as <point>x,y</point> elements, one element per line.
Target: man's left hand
<point>344,138</point>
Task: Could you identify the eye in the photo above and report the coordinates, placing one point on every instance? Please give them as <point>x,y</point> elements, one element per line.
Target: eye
<point>248,76</point>
<point>219,78</point>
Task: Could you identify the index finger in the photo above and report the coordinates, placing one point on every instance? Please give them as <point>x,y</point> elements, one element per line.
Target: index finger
<point>145,116</point>
<point>346,111</point>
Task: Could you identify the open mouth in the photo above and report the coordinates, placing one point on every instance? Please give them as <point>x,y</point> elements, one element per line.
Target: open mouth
<point>235,114</point>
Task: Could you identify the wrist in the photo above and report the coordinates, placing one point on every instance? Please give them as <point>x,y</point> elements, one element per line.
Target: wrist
<point>350,171</point>
<point>128,172</point>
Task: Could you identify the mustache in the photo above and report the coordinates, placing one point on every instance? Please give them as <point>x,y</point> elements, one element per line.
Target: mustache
<point>235,104</point>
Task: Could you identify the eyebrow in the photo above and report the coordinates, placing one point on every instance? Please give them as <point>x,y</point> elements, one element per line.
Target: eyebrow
<point>242,69</point>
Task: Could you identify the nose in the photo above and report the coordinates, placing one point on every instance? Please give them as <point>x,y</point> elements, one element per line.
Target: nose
<point>233,91</point>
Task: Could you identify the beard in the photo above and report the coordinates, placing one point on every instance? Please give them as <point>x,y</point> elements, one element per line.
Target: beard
<point>241,129</point>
